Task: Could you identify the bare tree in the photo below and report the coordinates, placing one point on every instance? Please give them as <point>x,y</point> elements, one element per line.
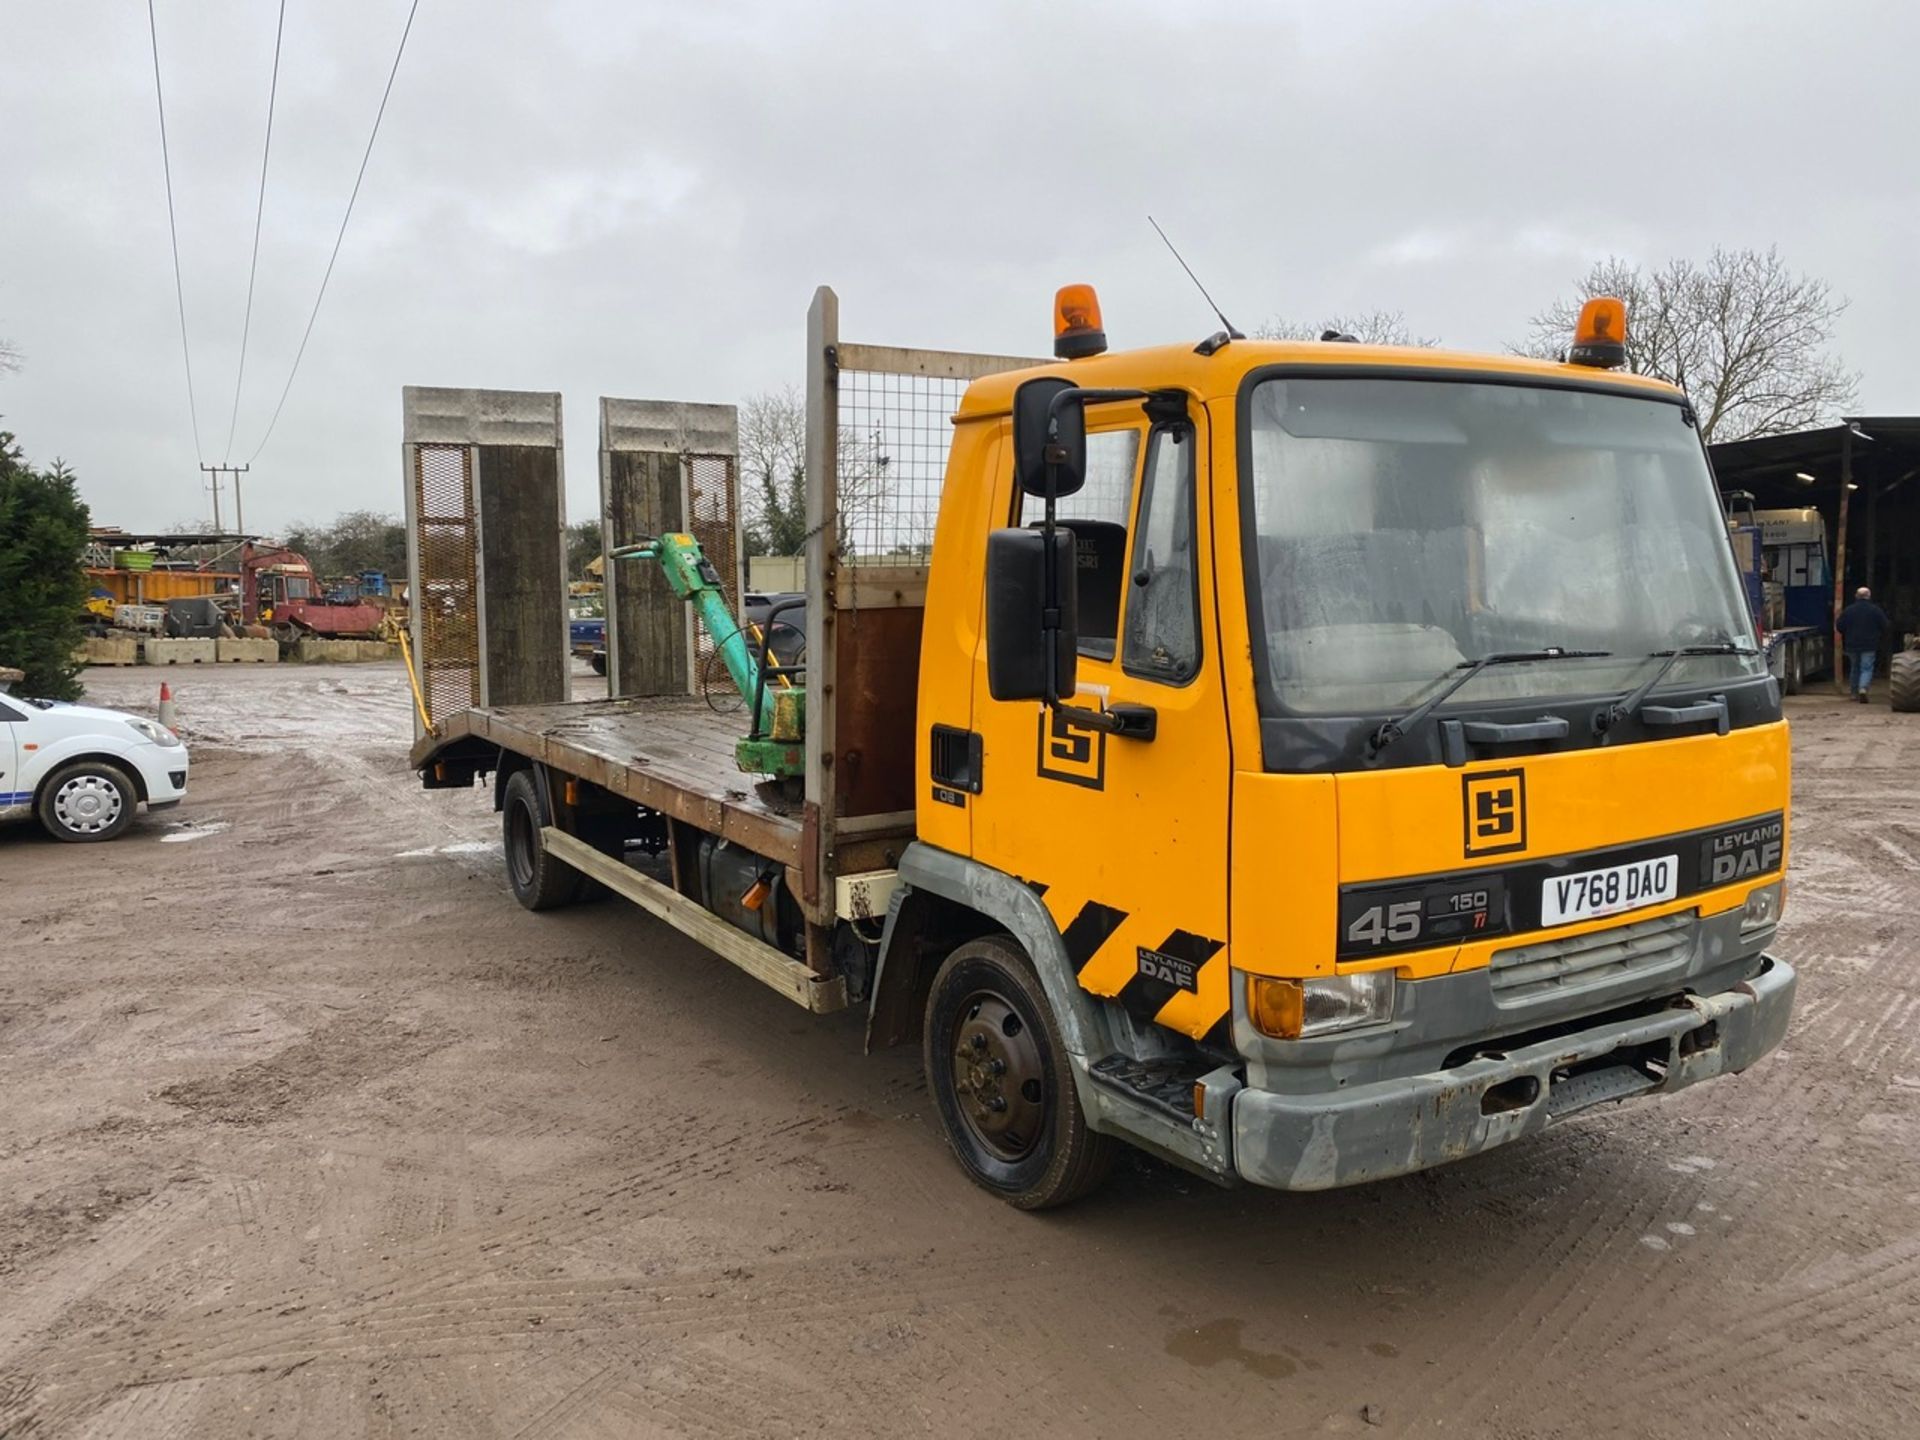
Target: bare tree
<point>773,474</point>
<point>11,358</point>
<point>1369,327</point>
<point>1745,337</point>
<point>773,458</point>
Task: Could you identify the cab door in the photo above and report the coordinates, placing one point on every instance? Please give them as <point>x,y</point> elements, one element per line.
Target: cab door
<point>1126,839</point>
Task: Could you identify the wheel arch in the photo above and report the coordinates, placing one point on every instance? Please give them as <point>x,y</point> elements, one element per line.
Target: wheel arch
<point>99,757</point>
<point>511,763</point>
<point>945,900</point>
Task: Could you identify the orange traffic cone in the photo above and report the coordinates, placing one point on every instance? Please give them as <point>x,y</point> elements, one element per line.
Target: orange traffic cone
<point>167,716</point>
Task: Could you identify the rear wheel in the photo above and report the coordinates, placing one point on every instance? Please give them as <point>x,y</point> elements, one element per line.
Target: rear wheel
<point>1796,674</point>
<point>87,800</point>
<point>1903,680</point>
<point>1003,1084</point>
<point>538,880</point>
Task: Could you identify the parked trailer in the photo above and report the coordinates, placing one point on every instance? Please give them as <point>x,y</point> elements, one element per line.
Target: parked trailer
<point>1228,749</point>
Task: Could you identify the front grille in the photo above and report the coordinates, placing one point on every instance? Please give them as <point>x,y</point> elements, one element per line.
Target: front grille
<point>1553,967</point>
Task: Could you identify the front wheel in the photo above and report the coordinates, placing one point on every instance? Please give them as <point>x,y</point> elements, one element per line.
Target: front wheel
<point>1002,1081</point>
<point>87,800</point>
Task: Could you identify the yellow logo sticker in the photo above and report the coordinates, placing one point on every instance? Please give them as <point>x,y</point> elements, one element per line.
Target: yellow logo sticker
<point>1076,756</point>
<point>1495,802</point>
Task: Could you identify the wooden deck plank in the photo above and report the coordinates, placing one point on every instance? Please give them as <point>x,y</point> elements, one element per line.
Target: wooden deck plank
<point>673,754</point>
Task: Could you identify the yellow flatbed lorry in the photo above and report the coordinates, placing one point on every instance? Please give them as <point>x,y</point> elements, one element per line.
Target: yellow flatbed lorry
<point>1308,763</point>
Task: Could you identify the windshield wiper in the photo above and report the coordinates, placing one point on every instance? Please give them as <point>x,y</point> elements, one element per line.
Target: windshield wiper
<point>1623,708</point>
<point>1394,729</point>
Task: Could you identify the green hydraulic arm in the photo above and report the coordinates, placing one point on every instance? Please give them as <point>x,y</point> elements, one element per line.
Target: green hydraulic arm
<point>776,744</point>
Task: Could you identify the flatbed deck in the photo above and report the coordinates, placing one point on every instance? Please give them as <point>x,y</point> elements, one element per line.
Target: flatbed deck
<point>673,754</point>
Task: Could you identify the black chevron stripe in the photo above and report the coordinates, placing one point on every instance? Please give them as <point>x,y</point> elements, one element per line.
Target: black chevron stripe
<point>1091,929</point>
<point>1145,995</point>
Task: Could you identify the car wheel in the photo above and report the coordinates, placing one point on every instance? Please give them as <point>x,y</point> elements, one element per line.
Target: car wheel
<point>87,800</point>
<point>1002,1081</point>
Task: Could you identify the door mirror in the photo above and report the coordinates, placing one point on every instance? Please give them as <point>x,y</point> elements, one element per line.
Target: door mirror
<point>1017,634</point>
<point>1034,416</point>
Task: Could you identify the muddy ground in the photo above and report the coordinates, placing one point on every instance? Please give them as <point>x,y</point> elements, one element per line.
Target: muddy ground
<point>307,1129</point>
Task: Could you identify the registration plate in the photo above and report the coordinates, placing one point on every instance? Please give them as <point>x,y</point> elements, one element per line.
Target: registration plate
<point>1608,891</point>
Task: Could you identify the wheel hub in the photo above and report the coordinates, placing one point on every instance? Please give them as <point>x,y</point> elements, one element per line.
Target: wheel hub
<point>87,804</point>
<point>998,1076</point>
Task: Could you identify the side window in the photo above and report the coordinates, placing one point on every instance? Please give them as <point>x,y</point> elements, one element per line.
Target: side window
<point>1097,515</point>
<point>1163,621</point>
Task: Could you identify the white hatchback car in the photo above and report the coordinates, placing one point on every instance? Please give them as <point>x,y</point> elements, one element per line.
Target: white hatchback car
<point>83,771</point>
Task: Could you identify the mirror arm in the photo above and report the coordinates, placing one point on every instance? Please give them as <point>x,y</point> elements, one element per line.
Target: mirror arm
<point>1078,396</point>
<point>1124,721</point>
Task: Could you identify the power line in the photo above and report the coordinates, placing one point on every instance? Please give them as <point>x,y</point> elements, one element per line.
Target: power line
<point>179,290</point>
<point>308,334</point>
<point>253,267</point>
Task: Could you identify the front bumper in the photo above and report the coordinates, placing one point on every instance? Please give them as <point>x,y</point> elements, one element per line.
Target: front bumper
<point>163,774</point>
<point>1393,1127</point>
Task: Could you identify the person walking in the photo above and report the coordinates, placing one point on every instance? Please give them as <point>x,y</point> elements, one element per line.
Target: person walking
<point>1862,626</point>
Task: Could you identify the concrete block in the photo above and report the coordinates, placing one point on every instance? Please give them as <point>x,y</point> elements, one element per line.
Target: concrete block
<point>108,650</point>
<point>177,652</point>
<point>256,652</point>
<point>324,652</point>
<point>343,652</point>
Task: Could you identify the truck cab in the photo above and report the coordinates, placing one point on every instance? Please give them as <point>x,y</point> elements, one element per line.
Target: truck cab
<point>1335,760</point>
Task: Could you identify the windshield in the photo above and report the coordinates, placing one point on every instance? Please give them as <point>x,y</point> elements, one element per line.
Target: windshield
<point>1401,528</point>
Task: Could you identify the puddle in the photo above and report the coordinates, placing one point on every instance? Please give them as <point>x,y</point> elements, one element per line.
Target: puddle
<point>1206,1346</point>
<point>183,830</point>
<point>459,847</point>
<point>1385,1349</point>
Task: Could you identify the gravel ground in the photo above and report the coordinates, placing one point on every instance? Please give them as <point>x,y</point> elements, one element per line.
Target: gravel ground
<point>307,1129</point>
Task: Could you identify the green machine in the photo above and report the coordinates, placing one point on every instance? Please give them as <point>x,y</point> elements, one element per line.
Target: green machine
<point>775,745</point>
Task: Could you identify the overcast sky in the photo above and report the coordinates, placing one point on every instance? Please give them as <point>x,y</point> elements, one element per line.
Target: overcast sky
<point>637,199</point>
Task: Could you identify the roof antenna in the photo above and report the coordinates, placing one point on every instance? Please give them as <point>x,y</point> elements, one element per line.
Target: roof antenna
<point>1212,342</point>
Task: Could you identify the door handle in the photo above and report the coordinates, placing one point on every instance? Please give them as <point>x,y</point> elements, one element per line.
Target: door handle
<point>1456,735</point>
<point>1494,732</point>
<point>1665,716</point>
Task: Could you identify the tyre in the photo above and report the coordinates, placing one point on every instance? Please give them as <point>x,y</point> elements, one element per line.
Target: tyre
<point>1903,680</point>
<point>1001,1080</point>
<point>598,661</point>
<point>87,800</point>
<point>1796,675</point>
<point>537,879</point>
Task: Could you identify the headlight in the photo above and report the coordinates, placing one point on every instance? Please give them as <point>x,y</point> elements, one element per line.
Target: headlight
<point>1763,907</point>
<point>148,730</point>
<point>1297,1009</point>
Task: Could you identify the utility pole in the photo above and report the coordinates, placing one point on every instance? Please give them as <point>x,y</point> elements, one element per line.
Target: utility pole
<point>236,471</point>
